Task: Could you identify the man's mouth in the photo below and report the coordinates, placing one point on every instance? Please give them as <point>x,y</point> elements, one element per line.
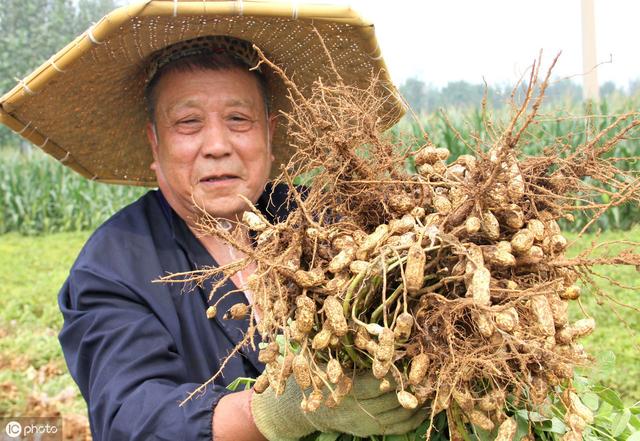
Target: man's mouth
<point>217,178</point>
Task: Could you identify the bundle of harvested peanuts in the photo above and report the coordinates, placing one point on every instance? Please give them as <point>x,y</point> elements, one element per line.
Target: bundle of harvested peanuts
<point>447,276</point>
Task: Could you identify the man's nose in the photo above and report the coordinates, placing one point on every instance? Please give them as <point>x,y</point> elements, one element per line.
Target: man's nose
<point>215,142</point>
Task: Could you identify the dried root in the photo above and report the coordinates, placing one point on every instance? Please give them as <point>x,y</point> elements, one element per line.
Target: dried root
<point>453,280</point>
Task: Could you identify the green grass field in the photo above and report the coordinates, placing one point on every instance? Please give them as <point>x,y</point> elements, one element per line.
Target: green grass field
<point>32,269</point>
<point>617,336</point>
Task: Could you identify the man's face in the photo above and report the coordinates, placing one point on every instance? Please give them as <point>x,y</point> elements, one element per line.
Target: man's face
<point>213,141</point>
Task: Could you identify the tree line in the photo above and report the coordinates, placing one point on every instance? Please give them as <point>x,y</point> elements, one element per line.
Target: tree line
<point>33,30</point>
<point>425,98</point>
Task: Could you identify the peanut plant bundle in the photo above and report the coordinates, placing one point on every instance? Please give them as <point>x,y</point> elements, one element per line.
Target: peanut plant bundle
<point>448,279</point>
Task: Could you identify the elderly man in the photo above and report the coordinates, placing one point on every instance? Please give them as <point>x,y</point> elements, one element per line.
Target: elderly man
<point>137,348</point>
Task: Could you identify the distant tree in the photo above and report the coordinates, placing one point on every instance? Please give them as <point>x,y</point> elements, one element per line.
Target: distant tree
<point>33,31</point>
<point>461,94</point>
<point>563,91</point>
<point>414,91</point>
<point>607,89</point>
<point>433,99</point>
<point>426,98</point>
<point>634,87</point>
<point>89,11</point>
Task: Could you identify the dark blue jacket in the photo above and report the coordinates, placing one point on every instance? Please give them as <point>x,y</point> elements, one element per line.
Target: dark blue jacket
<point>137,348</point>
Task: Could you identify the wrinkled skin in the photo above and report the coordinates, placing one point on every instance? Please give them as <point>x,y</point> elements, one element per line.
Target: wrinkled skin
<point>212,141</point>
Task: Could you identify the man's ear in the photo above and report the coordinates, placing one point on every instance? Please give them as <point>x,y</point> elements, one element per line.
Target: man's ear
<point>152,137</point>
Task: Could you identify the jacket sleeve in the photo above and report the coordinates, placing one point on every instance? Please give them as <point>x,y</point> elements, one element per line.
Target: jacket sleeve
<point>127,365</point>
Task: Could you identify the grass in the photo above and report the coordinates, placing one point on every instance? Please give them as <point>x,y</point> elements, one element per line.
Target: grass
<point>34,268</point>
<point>617,336</point>
<point>31,363</point>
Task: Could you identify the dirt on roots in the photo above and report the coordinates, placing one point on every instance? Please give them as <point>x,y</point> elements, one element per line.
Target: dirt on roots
<point>451,280</point>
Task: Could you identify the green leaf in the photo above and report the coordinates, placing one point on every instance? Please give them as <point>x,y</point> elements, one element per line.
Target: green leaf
<point>609,396</point>
<point>620,423</point>
<point>604,413</point>
<point>328,436</point>
<point>581,383</point>
<point>522,427</point>
<point>534,417</point>
<point>241,381</point>
<point>396,438</point>
<point>483,435</point>
<point>421,431</point>
<point>606,363</point>
<point>634,437</point>
<point>590,400</point>
<point>557,426</point>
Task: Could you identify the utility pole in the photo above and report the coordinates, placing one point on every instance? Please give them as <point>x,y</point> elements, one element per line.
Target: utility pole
<point>590,88</point>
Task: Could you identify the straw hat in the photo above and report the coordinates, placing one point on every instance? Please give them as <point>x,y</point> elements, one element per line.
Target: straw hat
<point>85,105</point>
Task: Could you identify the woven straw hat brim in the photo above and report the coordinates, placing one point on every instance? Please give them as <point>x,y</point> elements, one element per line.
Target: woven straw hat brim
<point>85,105</point>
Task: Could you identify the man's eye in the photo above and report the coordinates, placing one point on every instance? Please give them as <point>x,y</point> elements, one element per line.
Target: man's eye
<point>239,122</point>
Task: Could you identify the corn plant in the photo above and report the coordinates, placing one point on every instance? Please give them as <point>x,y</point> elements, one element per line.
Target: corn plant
<point>460,130</point>
<point>38,195</point>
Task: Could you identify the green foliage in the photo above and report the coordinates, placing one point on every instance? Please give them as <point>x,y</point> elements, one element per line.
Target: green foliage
<point>239,382</point>
<point>39,195</point>
<point>612,419</point>
<point>33,31</point>
<point>463,130</point>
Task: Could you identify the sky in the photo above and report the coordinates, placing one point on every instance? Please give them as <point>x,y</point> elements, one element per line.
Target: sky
<point>496,41</point>
<point>439,41</point>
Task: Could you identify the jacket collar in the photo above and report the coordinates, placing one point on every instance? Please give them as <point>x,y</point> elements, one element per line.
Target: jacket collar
<point>275,205</point>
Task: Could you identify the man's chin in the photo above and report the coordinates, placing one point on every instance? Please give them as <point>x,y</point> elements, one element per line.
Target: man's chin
<point>227,208</point>
<point>223,203</point>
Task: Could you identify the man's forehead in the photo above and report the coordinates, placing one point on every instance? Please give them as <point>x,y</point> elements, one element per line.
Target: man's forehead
<point>199,88</point>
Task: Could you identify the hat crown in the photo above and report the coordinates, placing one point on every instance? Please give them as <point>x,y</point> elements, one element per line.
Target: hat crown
<point>209,44</point>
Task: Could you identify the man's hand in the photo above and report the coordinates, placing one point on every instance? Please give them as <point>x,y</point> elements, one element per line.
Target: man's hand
<point>364,412</point>
<point>232,419</point>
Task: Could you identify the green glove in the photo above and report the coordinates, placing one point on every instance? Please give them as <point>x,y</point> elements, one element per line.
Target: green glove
<point>364,412</point>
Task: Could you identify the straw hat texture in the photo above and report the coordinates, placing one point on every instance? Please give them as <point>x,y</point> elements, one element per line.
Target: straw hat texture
<point>85,106</point>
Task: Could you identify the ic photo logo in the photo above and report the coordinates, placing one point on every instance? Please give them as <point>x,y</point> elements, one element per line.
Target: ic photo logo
<point>31,429</point>
<point>13,429</point>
